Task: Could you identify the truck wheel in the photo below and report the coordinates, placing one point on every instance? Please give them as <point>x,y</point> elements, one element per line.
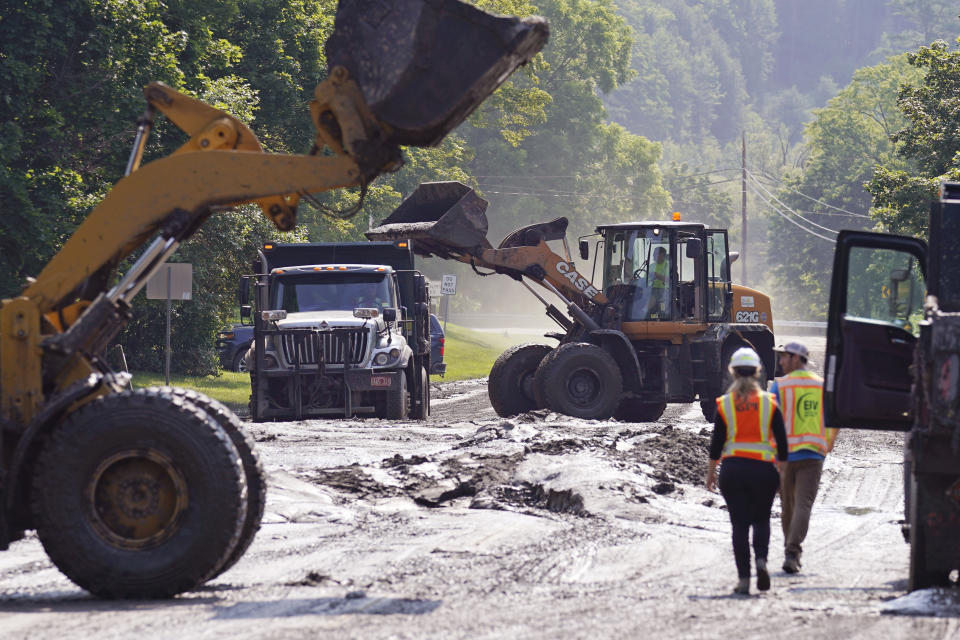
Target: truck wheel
<point>632,410</point>
<point>708,406</point>
<point>510,385</point>
<point>252,467</point>
<point>422,411</point>
<point>139,495</point>
<point>239,361</point>
<point>580,379</point>
<point>393,404</point>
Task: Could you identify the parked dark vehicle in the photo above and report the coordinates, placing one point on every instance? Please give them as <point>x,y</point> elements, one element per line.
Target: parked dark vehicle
<point>437,341</point>
<point>232,344</point>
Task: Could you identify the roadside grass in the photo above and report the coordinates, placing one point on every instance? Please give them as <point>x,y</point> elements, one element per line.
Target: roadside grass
<point>230,388</point>
<point>468,354</point>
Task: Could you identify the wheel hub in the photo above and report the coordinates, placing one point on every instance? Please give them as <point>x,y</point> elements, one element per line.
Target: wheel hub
<point>583,387</point>
<point>135,499</point>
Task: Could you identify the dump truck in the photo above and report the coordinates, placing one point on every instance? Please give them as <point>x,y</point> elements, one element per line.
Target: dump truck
<point>659,327</point>
<point>893,364</point>
<point>342,329</point>
<point>151,492</point>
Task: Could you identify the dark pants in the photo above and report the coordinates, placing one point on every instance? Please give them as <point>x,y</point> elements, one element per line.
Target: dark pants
<point>749,487</point>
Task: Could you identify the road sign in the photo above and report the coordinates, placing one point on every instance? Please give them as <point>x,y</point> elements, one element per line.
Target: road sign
<point>179,277</point>
<point>434,288</point>
<point>448,286</point>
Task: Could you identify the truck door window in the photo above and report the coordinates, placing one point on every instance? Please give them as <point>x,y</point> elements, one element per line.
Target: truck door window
<point>885,285</point>
<point>686,281</point>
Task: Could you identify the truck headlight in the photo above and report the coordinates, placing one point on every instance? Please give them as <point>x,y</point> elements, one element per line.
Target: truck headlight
<point>381,358</point>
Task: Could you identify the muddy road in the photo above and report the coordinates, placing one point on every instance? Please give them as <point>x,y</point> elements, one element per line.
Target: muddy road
<point>540,526</point>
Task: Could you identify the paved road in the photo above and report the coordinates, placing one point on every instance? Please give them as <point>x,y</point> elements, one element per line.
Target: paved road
<point>471,526</point>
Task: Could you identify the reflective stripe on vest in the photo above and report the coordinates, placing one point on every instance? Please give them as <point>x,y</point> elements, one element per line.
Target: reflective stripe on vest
<point>801,400</point>
<point>748,426</point>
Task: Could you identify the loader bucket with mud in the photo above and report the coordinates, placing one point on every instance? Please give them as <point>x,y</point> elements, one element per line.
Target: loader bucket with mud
<point>407,56</point>
<point>441,218</point>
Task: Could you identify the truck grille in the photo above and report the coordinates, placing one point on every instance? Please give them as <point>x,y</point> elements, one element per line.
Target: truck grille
<point>333,347</point>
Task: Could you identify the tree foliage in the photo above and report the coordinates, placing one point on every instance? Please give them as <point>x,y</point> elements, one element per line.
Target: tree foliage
<point>927,147</point>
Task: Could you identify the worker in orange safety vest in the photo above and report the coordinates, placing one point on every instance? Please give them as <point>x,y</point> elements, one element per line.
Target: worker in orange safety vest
<point>748,435</point>
<point>800,395</point>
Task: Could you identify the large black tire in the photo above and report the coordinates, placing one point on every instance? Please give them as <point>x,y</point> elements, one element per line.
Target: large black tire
<point>394,404</point>
<point>139,495</point>
<point>511,382</point>
<point>922,576</point>
<point>708,406</point>
<point>252,468</point>
<point>421,410</point>
<point>633,410</point>
<point>580,379</point>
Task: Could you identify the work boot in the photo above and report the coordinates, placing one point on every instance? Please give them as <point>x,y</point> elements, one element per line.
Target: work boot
<point>791,564</point>
<point>743,586</point>
<point>763,577</point>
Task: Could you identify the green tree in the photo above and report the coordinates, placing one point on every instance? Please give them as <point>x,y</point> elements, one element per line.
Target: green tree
<point>844,142</point>
<point>927,146</point>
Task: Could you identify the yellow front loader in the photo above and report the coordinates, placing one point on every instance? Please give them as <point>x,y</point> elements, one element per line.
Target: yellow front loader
<point>152,492</point>
<point>658,326</point>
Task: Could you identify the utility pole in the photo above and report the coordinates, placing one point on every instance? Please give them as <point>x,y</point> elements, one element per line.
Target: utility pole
<point>743,208</point>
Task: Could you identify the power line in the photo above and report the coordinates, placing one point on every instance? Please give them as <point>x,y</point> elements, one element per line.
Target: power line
<point>826,204</point>
<point>787,218</point>
<point>781,203</point>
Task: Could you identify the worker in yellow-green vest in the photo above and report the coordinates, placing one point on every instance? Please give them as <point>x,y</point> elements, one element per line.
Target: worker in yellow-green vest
<point>800,396</point>
<point>660,283</point>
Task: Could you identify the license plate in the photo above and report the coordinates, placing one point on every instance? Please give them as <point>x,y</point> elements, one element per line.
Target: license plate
<point>380,381</point>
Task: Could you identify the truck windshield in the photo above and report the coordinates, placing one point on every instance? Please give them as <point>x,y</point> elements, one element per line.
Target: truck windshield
<point>332,292</point>
<point>637,261</point>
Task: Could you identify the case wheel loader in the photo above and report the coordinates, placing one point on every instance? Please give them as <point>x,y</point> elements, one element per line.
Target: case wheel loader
<point>658,328</point>
<point>149,493</point>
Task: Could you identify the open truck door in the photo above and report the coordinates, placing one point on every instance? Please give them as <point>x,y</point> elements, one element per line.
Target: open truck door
<point>876,305</point>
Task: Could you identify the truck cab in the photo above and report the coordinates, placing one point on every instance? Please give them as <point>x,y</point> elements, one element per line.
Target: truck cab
<point>339,338</point>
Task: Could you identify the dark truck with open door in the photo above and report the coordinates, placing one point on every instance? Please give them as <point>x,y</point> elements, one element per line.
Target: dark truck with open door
<point>893,362</point>
<point>339,329</point>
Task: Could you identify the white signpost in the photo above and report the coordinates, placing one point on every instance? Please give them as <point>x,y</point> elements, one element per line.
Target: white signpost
<point>172,281</point>
<point>448,287</point>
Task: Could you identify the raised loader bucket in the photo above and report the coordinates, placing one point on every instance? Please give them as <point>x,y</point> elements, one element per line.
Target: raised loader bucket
<point>424,65</point>
<point>440,217</point>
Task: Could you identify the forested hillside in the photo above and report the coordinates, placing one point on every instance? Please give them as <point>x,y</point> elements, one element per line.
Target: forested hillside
<point>634,108</point>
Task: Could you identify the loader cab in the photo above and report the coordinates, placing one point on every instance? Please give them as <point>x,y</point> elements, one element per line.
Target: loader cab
<point>666,271</point>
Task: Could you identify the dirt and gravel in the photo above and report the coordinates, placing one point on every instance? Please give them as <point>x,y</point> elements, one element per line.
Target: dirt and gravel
<point>539,526</point>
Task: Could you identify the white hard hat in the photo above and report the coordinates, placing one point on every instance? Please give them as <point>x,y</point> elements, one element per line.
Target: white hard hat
<point>745,357</point>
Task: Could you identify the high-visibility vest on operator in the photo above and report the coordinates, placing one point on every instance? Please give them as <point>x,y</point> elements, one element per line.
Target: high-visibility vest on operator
<point>660,269</point>
<point>800,394</point>
<point>749,421</point>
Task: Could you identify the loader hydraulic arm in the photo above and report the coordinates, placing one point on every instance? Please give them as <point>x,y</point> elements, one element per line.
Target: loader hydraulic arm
<point>448,220</point>
<point>68,309</point>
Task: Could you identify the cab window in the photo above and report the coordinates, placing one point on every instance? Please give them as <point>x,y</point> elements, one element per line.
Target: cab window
<point>885,285</point>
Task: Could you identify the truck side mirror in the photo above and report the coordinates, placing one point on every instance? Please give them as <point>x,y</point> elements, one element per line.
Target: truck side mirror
<point>244,292</point>
<point>390,315</point>
<point>694,247</point>
<point>584,250</point>
<point>245,312</point>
